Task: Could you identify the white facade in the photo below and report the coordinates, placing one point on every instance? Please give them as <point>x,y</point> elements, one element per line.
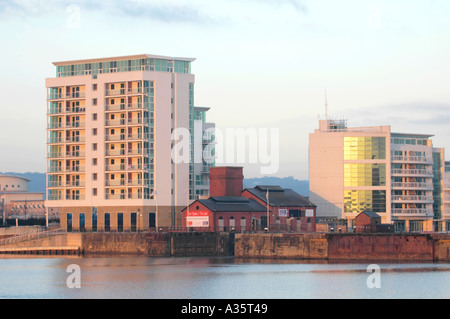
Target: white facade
<point>112,126</point>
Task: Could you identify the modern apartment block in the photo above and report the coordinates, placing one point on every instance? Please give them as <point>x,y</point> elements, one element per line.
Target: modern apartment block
<point>111,135</point>
<point>398,176</point>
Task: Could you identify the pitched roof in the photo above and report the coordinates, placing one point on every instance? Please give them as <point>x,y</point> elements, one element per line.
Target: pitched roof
<point>232,204</point>
<point>371,214</point>
<point>279,196</point>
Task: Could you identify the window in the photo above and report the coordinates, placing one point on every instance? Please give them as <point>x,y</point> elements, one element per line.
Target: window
<point>94,116</point>
<point>94,146</point>
<point>94,131</point>
<point>94,102</point>
<point>94,87</point>
<point>94,176</point>
<point>94,161</point>
<point>94,192</point>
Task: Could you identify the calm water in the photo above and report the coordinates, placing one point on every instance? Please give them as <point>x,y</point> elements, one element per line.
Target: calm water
<point>217,278</point>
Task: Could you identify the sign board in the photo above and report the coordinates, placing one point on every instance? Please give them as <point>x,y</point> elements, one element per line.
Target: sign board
<point>282,212</point>
<point>197,219</point>
<point>309,213</point>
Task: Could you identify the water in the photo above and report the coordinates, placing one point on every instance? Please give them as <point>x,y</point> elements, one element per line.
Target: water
<point>217,278</point>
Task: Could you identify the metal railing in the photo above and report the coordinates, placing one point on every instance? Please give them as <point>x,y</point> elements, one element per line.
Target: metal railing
<point>32,235</point>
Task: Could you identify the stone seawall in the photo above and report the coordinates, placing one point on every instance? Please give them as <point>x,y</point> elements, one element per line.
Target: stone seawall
<point>376,247</point>
<point>158,244</point>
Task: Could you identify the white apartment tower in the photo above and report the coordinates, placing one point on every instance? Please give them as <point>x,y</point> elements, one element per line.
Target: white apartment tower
<point>399,176</point>
<point>111,133</point>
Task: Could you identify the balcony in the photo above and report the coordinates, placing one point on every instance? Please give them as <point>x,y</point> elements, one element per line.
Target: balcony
<point>75,124</point>
<point>55,197</point>
<point>75,95</point>
<point>75,110</point>
<point>119,152</point>
<point>120,167</point>
<point>121,91</point>
<point>419,212</point>
<point>75,154</point>
<point>412,185</point>
<point>75,169</point>
<point>124,196</point>
<point>412,199</point>
<point>75,183</point>
<point>56,125</point>
<point>124,106</point>
<point>75,139</point>
<point>412,159</point>
<point>55,155</point>
<point>55,169</point>
<point>55,184</point>
<point>75,197</point>
<point>55,140</point>
<point>412,172</point>
<point>118,122</point>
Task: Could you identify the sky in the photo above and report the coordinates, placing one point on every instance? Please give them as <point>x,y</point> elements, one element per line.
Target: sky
<point>260,64</point>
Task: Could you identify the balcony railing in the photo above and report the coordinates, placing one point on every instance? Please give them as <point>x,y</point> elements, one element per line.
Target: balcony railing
<point>75,169</point>
<point>75,154</point>
<point>75,197</point>
<point>412,198</point>
<point>414,159</point>
<point>418,172</point>
<point>55,154</point>
<point>124,196</point>
<point>412,211</point>
<point>417,185</point>
<point>124,106</point>
<point>66,184</point>
<point>75,139</point>
<point>75,124</point>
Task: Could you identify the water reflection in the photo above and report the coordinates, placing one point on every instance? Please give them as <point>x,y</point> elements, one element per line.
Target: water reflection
<point>221,277</point>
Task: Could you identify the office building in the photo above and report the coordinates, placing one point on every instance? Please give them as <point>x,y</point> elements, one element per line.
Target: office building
<point>398,176</point>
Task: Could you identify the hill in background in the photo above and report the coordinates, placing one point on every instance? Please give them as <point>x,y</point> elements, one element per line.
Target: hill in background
<point>37,183</point>
<point>299,186</point>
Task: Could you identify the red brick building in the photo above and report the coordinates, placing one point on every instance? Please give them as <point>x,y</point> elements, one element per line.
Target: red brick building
<point>224,213</point>
<point>232,208</point>
<point>288,211</point>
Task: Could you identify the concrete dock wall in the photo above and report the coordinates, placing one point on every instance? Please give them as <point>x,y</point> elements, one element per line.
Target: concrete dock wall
<point>158,245</point>
<point>379,247</point>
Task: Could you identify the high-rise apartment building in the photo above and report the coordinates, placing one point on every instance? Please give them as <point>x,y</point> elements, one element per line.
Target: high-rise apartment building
<point>399,176</point>
<point>113,127</point>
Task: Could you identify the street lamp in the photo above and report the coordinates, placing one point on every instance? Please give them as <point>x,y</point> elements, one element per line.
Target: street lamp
<point>138,217</point>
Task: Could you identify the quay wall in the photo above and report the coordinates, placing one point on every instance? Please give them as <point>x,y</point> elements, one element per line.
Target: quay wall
<point>346,247</point>
<point>158,244</point>
<point>376,247</point>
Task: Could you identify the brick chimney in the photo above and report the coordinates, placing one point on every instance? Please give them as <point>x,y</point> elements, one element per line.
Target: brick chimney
<point>225,181</point>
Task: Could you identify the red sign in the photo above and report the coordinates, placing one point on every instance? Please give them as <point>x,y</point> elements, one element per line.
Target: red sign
<point>197,213</point>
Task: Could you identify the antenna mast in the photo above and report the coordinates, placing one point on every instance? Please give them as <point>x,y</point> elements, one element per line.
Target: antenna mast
<point>326,104</point>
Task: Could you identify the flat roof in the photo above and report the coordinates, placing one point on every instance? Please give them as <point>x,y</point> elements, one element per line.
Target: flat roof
<point>126,57</point>
<point>411,135</point>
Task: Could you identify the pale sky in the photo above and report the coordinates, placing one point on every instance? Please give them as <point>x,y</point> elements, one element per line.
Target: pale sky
<point>260,64</point>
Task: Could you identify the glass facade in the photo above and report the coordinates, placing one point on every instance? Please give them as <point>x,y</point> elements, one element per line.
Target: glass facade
<point>149,64</point>
<point>364,148</point>
<point>357,201</point>
<point>364,175</point>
